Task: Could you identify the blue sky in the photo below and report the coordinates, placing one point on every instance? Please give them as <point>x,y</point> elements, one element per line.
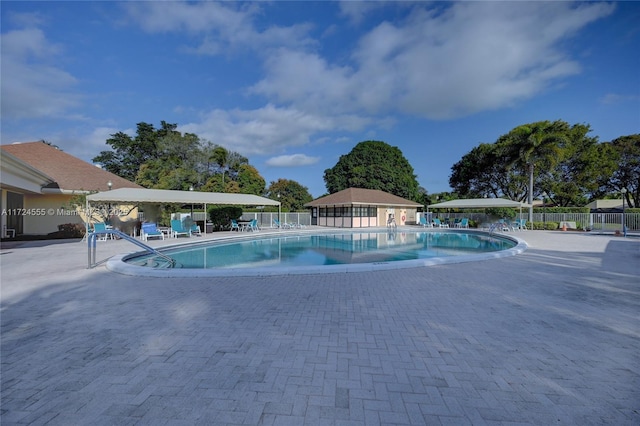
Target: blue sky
<point>295,85</point>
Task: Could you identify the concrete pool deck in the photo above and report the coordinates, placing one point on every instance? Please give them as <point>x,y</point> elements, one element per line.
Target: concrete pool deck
<point>551,336</point>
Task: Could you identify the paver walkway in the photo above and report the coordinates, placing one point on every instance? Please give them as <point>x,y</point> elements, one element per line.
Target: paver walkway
<point>551,336</point>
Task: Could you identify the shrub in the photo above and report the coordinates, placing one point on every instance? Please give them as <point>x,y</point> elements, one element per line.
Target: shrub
<point>69,230</point>
<point>545,225</point>
<point>221,216</point>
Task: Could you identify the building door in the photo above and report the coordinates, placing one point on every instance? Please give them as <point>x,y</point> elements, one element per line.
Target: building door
<point>390,214</point>
<point>314,215</point>
<point>15,205</point>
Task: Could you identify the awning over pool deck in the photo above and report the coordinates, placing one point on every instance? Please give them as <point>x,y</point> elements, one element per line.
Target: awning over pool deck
<point>166,196</point>
<point>478,203</point>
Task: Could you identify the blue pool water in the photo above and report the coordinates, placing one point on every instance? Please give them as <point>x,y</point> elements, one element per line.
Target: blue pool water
<point>288,252</point>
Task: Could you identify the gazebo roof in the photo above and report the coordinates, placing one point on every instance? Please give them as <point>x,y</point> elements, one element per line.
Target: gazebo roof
<point>361,196</point>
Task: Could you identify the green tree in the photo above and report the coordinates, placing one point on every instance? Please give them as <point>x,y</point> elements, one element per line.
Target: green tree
<point>220,156</point>
<point>167,159</point>
<point>214,184</point>
<point>576,173</point>
<point>535,143</point>
<point>627,173</point>
<point>374,165</point>
<point>175,163</point>
<point>250,181</point>
<point>484,172</point>
<point>570,165</point>
<point>290,193</point>
<point>127,154</point>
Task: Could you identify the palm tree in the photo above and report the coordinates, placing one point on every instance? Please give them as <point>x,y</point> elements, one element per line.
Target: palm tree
<point>539,142</point>
<point>220,156</point>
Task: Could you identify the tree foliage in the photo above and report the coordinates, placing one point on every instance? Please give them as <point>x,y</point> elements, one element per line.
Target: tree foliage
<point>566,163</point>
<point>290,193</point>
<point>374,165</point>
<point>625,153</point>
<point>127,154</point>
<point>534,144</point>
<point>167,159</point>
<point>221,216</point>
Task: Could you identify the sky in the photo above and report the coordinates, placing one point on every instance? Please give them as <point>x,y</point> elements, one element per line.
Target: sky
<point>294,85</point>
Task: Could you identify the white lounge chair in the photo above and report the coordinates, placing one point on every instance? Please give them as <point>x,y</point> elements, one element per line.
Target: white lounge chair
<point>150,230</point>
<point>97,228</point>
<point>279,225</point>
<point>439,224</point>
<point>424,223</point>
<point>464,223</point>
<point>177,229</point>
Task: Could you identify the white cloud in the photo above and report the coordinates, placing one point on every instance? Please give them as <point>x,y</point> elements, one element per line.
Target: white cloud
<point>438,63</point>
<point>223,25</point>
<point>357,11</point>
<point>614,98</point>
<point>307,80</point>
<point>294,160</point>
<point>268,129</point>
<point>32,87</point>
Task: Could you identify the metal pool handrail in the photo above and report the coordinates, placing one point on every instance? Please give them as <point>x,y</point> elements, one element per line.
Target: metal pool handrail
<point>91,242</point>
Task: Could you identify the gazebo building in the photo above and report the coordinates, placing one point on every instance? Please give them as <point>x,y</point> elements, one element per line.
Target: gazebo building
<point>362,208</point>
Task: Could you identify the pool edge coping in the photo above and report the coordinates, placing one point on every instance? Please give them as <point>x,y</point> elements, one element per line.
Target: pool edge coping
<point>117,263</point>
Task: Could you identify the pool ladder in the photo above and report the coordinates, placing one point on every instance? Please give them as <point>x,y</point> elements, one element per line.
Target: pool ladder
<point>92,239</point>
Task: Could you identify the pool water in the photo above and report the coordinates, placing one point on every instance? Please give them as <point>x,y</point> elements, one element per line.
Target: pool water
<point>329,249</point>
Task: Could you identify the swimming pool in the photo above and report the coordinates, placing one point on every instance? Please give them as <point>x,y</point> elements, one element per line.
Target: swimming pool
<point>321,252</point>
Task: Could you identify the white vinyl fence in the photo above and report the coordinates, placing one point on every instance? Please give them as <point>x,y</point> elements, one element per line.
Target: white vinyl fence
<point>603,222</point>
<point>266,219</point>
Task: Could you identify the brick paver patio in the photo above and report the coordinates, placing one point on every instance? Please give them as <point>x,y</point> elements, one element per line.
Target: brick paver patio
<point>551,336</point>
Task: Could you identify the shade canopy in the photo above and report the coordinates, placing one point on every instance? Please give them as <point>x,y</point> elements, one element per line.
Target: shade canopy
<point>165,196</point>
<point>478,203</point>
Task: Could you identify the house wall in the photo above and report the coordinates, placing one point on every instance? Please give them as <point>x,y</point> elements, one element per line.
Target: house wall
<point>50,211</point>
<point>365,222</point>
<point>403,216</point>
<point>44,212</point>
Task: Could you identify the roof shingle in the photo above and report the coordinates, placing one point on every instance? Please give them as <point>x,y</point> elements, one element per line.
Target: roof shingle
<point>362,196</point>
<point>69,172</point>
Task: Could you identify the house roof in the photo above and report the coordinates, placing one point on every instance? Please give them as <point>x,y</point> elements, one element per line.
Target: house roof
<point>137,195</point>
<point>68,172</point>
<point>18,175</point>
<point>361,196</point>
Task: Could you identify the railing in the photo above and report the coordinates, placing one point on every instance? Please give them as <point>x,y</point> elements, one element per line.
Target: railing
<point>265,219</point>
<point>604,222</point>
<point>92,246</point>
<point>597,222</point>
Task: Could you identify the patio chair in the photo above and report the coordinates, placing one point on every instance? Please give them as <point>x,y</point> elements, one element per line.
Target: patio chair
<point>8,232</point>
<point>234,225</point>
<point>464,223</point>
<point>277,224</point>
<point>98,228</point>
<point>522,224</point>
<point>177,229</point>
<point>253,225</point>
<point>505,225</point>
<point>150,230</point>
<point>195,229</point>
<point>439,224</point>
<point>424,223</point>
